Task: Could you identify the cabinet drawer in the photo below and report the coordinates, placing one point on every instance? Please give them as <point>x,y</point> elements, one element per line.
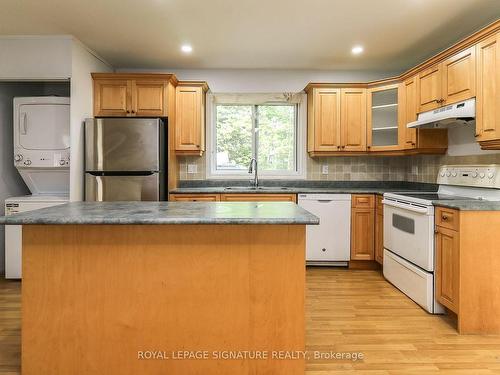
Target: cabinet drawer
<point>259,197</point>
<point>363,201</point>
<point>194,197</point>
<point>447,218</point>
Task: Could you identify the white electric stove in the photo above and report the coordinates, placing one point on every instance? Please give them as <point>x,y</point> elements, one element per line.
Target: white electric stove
<point>409,227</point>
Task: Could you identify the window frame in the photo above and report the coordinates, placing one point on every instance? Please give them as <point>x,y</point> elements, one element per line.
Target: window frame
<point>300,135</point>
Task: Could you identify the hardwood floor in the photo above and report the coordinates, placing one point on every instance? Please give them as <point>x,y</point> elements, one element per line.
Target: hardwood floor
<point>358,311</point>
<point>10,327</point>
<point>350,311</point>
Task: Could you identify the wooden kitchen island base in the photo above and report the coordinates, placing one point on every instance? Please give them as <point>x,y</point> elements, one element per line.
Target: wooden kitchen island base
<point>118,299</point>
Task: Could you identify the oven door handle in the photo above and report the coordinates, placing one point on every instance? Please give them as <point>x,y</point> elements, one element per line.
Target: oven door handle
<point>419,210</point>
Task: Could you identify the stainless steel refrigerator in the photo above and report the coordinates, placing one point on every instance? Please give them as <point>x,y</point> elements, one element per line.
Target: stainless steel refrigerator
<point>125,159</point>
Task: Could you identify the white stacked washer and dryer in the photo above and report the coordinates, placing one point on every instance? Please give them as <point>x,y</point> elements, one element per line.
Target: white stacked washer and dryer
<point>41,155</point>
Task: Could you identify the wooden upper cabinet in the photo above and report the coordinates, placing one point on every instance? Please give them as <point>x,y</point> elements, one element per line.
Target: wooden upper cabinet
<point>488,92</point>
<point>429,86</point>
<point>112,97</point>
<point>149,98</point>
<point>407,112</point>
<point>382,118</point>
<point>447,82</point>
<point>353,119</point>
<point>326,120</point>
<point>459,76</point>
<point>124,94</point>
<point>190,118</point>
<point>428,140</point>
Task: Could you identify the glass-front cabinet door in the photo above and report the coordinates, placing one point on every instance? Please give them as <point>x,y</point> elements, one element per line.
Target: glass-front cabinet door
<point>382,124</point>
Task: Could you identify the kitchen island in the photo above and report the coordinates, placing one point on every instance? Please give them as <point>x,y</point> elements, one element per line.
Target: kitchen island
<point>163,288</point>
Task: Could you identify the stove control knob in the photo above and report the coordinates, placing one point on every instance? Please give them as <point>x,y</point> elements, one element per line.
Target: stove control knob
<point>27,162</point>
<point>491,175</point>
<point>18,157</point>
<point>62,162</point>
<point>474,174</point>
<point>454,174</point>
<point>442,174</point>
<point>481,174</point>
<point>448,174</point>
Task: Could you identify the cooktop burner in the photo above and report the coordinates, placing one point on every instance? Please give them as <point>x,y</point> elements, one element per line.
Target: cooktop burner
<point>434,196</point>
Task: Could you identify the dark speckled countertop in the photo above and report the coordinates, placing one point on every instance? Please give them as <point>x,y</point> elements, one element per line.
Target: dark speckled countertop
<point>299,187</point>
<point>166,213</point>
<point>291,190</point>
<point>328,187</point>
<point>468,205</point>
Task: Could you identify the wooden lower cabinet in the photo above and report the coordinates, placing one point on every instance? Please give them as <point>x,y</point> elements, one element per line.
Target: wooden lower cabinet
<point>233,197</point>
<point>379,231</point>
<point>194,197</point>
<point>447,267</point>
<point>362,227</point>
<point>258,197</point>
<point>466,268</point>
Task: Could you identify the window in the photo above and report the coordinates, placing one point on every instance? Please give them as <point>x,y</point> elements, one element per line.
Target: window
<point>269,132</point>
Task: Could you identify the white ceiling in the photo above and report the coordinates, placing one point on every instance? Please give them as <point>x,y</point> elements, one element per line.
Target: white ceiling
<point>255,34</point>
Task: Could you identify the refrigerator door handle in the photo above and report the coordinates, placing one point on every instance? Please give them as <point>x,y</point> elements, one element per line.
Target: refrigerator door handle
<point>123,174</point>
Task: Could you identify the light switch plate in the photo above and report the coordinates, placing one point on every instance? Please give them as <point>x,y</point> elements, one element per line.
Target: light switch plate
<point>192,168</point>
<point>414,169</point>
<point>324,169</point>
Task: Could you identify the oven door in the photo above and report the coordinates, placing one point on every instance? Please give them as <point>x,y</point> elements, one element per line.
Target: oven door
<point>409,232</point>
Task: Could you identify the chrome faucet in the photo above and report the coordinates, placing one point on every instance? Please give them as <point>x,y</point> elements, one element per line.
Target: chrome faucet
<point>253,169</point>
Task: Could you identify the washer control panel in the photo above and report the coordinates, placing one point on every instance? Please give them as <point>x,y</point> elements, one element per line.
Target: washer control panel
<point>483,176</point>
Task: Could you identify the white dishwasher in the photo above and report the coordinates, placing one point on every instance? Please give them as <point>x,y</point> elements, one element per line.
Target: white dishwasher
<point>329,243</point>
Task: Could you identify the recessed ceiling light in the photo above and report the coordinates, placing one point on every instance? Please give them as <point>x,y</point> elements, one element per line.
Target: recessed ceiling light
<point>356,50</point>
<point>186,48</point>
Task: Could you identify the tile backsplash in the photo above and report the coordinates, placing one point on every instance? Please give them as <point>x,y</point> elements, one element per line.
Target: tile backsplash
<point>418,168</point>
<point>428,165</point>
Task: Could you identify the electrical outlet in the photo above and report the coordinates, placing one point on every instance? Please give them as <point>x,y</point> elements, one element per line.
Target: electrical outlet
<point>324,169</point>
<point>192,168</point>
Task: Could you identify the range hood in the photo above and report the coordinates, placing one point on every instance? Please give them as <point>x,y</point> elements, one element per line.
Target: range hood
<point>461,113</point>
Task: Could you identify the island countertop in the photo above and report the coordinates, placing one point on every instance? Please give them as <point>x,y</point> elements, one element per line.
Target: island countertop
<point>131,213</point>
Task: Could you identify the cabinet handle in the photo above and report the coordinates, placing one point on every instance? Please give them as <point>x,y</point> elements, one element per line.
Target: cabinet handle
<point>444,217</point>
<point>128,111</point>
<point>133,111</point>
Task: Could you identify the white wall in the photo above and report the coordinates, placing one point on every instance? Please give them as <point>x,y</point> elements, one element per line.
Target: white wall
<point>461,142</point>
<point>262,81</point>
<point>35,57</point>
<point>48,58</point>
<point>83,62</point>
